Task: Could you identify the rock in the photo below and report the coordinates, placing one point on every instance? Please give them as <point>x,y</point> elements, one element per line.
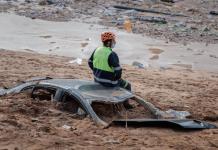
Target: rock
<point>50,2</point>
<point>28,1</point>
<point>168,1</point>
<point>154,57</point>
<point>180,24</point>
<point>34,119</point>
<point>61,3</point>
<point>77,60</point>
<point>43,2</point>
<point>151,19</point>
<point>66,127</point>
<point>214,12</point>
<point>206,29</point>
<point>16,148</point>
<point>2,91</point>
<point>138,64</point>
<point>213,56</point>
<point>45,129</point>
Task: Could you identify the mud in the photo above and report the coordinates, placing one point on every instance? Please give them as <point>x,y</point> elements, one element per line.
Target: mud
<point>34,124</point>
<point>79,40</point>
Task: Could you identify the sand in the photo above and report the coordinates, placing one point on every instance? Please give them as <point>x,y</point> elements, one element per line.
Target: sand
<point>29,124</point>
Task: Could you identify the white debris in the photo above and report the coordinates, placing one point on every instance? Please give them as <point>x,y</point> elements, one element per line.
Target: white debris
<point>78,61</point>
<point>178,114</point>
<point>66,127</point>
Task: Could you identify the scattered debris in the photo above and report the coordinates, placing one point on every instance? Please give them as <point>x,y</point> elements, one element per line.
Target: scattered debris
<point>147,10</point>
<point>66,127</point>
<point>205,29</point>
<point>138,64</point>
<point>180,24</point>
<point>177,123</point>
<point>60,3</point>
<point>151,19</point>
<point>213,56</point>
<point>127,25</point>
<point>169,1</point>
<point>214,12</point>
<point>43,2</point>
<point>2,91</point>
<point>84,44</point>
<point>77,60</point>
<point>178,114</point>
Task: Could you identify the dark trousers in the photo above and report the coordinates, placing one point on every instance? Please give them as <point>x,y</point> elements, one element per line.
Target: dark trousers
<point>124,84</point>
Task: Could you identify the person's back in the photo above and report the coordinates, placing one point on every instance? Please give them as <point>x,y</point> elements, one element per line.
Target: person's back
<point>105,63</point>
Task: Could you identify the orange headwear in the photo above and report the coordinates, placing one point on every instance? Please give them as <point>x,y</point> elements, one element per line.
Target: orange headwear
<point>107,36</point>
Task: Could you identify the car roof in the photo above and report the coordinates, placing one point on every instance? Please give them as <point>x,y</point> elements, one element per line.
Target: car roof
<point>90,90</point>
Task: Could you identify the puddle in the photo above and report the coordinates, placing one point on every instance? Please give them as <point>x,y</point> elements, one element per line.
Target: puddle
<point>155,50</point>
<point>78,40</point>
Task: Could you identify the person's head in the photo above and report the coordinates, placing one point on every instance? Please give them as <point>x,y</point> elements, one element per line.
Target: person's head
<point>108,39</point>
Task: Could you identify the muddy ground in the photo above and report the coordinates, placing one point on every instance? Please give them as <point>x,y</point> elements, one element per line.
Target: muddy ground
<point>29,124</point>
<point>199,20</point>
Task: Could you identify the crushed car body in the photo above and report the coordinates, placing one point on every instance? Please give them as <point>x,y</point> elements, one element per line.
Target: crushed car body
<point>85,92</point>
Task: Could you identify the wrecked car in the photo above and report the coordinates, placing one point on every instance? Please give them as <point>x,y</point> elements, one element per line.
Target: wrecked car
<point>82,94</point>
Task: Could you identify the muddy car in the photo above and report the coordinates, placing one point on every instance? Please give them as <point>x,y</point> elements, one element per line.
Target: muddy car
<point>84,97</point>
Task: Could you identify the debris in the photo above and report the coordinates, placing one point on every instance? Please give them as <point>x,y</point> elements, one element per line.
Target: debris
<point>84,44</point>
<point>28,1</point>
<point>206,29</point>
<point>138,64</point>
<point>154,57</point>
<point>78,61</point>
<point>129,12</point>
<point>147,10</point>
<point>45,129</point>
<point>178,114</point>
<point>34,119</point>
<point>60,3</point>
<point>50,2</point>
<point>43,2</point>
<point>66,127</point>
<point>177,123</point>
<point>127,25</point>
<point>180,24</point>
<point>110,11</point>
<point>2,91</point>
<point>151,19</point>
<point>168,1</point>
<point>214,12</point>
<point>81,112</point>
<point>213,56</point>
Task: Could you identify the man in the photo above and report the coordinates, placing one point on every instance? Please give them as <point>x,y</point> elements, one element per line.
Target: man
<point>105,65</point>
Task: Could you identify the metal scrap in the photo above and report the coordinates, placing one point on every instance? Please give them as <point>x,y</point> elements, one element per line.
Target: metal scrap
<point>148,10</point>
<point>83,93</point>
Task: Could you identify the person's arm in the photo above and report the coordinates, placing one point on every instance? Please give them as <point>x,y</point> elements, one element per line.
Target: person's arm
<point>90,61</point>
<point>113,61</point>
